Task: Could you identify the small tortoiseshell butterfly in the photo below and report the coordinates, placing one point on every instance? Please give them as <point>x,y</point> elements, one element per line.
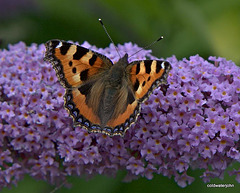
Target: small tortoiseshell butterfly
<point>102,96</point>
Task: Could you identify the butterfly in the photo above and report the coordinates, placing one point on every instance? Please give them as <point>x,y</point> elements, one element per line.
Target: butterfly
<point>101,96</point>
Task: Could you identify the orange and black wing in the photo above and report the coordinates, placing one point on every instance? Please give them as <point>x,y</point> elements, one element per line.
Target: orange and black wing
<point>143,77</point>
<point>74,64</point>
<point>78,70</point>
<point>146,75</point>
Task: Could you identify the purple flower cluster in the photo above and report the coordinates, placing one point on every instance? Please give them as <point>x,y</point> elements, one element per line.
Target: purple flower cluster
<point>191,123</point>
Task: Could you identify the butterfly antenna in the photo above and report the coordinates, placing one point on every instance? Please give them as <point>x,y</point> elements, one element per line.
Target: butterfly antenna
<point>161,37</point>
<point>105,29</point>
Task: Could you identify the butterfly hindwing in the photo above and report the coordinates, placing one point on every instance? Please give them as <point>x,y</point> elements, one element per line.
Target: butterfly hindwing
<point>145,75</point>
<point>74,64</point>
<point>121,123</point>
<point>75,103</point>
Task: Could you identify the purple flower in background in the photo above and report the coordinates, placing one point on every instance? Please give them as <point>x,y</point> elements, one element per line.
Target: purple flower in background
<point>193,122</point>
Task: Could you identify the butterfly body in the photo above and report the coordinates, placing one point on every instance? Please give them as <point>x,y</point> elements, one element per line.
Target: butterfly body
<point>110,104</point>
<point>102,96</point>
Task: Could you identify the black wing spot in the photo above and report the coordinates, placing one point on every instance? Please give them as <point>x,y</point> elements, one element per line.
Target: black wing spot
<point>70,63</point>
<point>136,85</point>
<point>159,66</point>
<point>80,52</point>
<point>84,75</point>
<point>144,82</point>
<point>149,78</point>
<point>74,70</point>
<point>148,64</point>
<point>138,68</point>
<point>92,60</point>
<point>64,48</point>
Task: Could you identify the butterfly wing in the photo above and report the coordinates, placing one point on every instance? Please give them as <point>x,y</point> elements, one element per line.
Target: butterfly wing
<point>119,124</point>
<point>79,70</point>
<point>146,75</point>
<point>143,77</point>
<point>74,64</point>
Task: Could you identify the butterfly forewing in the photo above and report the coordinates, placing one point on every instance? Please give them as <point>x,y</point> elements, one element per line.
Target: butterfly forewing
<point>75,64</point>
<point>145,75</point>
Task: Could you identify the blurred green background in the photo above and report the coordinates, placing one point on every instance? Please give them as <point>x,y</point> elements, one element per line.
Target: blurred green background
<point>204,27</point>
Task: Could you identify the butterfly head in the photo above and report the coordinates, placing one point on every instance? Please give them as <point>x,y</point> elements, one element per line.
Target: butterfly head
<point>123,61</point>
<point>118,71</point>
